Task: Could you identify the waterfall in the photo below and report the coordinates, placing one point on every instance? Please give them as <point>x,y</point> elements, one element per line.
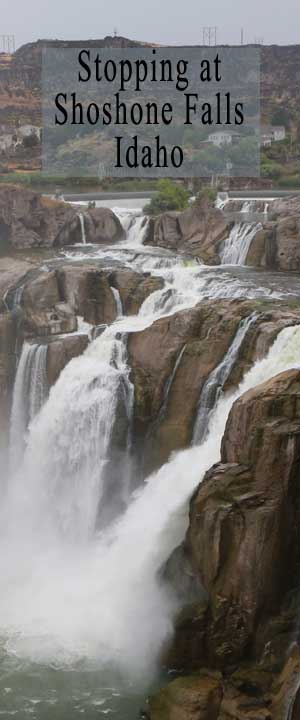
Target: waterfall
<point>118,301</point>
<point>137,231</point>
<point>212,388</point>
<point>82,226</point>
<point>73,442</point>
<point>61,602</point>
<point>29,394</point>
<point>221,200</point>
<point>135,225</point>
<point>237,245</point>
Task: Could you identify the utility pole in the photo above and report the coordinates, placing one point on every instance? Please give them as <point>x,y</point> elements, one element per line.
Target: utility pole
<point>242,36</point>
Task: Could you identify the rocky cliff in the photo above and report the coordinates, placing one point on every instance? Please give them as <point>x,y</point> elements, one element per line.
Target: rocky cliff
<point>243,546</point>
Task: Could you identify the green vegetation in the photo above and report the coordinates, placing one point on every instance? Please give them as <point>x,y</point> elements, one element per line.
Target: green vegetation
<point>170,196</point>
<point>206,195</point>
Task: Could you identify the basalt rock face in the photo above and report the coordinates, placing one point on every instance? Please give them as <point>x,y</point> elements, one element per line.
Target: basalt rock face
<point>28,220</point>
<point>277,245</point>
<point>243,544</point>
<point>134,288</point>
<point>61,351</point>
<point>185,349</point>
<point>198,231</point>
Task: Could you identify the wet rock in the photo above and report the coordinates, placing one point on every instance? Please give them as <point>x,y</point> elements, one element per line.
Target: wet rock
<point>61,351</point>
<point>189,698</point>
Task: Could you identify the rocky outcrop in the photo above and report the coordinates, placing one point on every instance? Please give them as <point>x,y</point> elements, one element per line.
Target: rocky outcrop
<point>185,348</point>
<point>87,291</point>
<point>12,272</point>
<point>198,231</point>
<point>277,245</point>
<point>61,351</point>
<point>28,219</point>
<point>134,288</point>
<point>243,544</point>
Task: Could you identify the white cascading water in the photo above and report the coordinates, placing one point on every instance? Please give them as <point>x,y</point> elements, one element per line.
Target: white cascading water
<point>82,227</point>
<point>135,225</point>
<point>30,393</point>
<point>69,444</point>
<point>214,384</point>
<point>118,301</point>
<point>237,245</point>
<point>73,591</point>
<point>69,593</point>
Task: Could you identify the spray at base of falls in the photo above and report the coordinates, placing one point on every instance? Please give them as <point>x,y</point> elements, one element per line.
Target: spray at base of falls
<point>237,245</point>
<point>60,603</point>
<point>29,395</point>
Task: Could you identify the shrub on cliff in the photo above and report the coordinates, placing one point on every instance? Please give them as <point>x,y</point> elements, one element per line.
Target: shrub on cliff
<point>170,196</point>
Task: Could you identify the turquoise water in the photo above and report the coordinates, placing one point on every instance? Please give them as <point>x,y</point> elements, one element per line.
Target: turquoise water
<point>52,693</point>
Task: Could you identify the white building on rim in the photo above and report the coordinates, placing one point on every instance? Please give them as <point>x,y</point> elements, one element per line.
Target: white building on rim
<point>271,133</point>
<point>223,137</point>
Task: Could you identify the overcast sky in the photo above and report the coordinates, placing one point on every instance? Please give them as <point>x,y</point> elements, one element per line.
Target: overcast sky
<point>161,21</point>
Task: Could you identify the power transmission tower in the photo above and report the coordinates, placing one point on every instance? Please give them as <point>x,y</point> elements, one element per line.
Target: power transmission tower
<point>209,35</point>
<point>7,44</point>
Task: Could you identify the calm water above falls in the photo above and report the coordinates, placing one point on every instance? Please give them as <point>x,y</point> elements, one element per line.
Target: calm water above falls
<point>76,597</point>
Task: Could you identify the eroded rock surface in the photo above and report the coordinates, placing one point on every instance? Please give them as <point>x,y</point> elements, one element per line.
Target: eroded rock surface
<point>243,543</point>
<point>198,231</point>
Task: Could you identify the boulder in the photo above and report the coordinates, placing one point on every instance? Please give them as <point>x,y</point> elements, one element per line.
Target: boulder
<point>102,226</point>
<point>198,231</point>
